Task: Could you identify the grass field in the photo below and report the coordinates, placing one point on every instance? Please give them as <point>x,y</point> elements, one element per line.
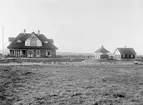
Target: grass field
<point>66,84</point>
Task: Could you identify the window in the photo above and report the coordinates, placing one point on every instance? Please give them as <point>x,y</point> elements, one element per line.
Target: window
<point>48,53</point>
<point>21,52</point>
<point>37,53</point>
<point>33,42</point>
<point>46,42</point>
<point>126,55</point>
<point>19,41</point>
<point>132,56</point>
<point>30,53</point>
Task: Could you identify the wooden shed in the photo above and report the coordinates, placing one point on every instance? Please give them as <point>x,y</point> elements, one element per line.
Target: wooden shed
<point>101,53</point>
<point>124,53</point>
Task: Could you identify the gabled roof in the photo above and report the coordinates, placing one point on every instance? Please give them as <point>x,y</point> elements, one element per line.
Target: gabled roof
<point>102,50</point>
<point>24,36</point>
<point>126,51</point>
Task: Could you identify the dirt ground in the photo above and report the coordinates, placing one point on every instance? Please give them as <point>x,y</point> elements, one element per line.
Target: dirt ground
<point>71,84</point>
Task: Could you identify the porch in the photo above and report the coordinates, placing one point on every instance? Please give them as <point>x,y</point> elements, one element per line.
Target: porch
<point>24,53</point>
<point>31,53</point>
<point>18,53</point>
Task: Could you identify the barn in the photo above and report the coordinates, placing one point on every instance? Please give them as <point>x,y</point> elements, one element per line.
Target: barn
<point>101,53</point>
<point>124,53</point>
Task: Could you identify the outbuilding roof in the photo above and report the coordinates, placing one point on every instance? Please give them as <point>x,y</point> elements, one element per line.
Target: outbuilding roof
<point>24,36</point>
<point>102,50</point>
<point>126,51</point>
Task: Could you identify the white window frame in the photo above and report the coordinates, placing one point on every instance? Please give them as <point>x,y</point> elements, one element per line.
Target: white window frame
<point>30,54</point>
<point>38,54</point>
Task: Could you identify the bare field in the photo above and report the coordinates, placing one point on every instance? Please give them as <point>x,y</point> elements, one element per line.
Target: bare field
<point>116,84</point>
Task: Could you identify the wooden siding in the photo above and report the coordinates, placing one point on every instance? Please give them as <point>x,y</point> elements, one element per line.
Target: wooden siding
<point>31,53</point>
<point>97,55</point>
<point>28,41</point>
<point>117,55</point>
<point>43,53</point>
<point>101,56</point>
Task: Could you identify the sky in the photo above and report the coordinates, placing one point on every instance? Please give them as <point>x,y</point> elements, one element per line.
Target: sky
<point>76,25</point>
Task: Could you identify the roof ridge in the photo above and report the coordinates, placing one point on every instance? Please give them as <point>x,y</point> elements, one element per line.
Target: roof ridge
<point>102,50</point>
<point>125,47</point>
<point>24,36</point>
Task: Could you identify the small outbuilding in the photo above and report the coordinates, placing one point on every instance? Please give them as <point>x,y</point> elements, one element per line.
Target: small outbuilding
<point>101,53</point>
<point>124,53</point>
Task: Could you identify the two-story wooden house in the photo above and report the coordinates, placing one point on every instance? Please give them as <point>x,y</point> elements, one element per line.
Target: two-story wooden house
<point>32,45</point>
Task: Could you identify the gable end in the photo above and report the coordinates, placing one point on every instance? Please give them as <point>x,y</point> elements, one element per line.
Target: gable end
<point>33,40</point>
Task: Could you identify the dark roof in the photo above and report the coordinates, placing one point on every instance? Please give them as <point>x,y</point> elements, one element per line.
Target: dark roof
<point>24,36</point>
<point>1,54</point>
<point>11,39</point>
<point>126,51</point>
<point>102,50</point>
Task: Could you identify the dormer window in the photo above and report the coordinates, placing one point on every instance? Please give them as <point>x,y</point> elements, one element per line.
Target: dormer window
<point>46,42</point>
<point>19,41</point>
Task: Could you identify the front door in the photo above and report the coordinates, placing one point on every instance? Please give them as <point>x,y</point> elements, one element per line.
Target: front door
<point>30,53</point>
<point>37,53</point>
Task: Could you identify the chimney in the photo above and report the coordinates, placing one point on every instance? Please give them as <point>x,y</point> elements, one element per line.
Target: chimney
<point>102,46</point>
<point>24,30</point>
<point>38,32</point>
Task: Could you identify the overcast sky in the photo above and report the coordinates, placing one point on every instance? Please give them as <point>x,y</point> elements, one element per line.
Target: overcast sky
<point>76,25</point>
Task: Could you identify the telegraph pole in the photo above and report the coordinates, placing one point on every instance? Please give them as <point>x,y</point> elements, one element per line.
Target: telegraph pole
<point>3,41</point>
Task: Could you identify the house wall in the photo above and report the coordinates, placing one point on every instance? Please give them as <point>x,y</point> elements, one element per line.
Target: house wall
<point>104,56</point>
<point>43,53</point>
<point>128,56</point>
<point>101,56</point>
<point>18,53</point>
<point>117,55</point>
<point>97,55</point>
<point>52,51</point>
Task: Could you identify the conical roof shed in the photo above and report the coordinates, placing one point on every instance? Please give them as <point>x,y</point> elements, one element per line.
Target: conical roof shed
<point>102,53</point>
